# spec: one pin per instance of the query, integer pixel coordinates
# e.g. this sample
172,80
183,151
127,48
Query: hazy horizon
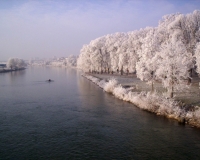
33,28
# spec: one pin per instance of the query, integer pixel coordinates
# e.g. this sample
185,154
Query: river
72,118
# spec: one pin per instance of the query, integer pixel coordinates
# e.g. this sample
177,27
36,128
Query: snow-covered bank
152,102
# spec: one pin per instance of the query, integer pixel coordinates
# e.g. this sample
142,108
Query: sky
48,28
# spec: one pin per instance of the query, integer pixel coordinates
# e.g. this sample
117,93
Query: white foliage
152,102
194,116
16,63
119,92
71,61
147,64
173,66
56,63
197,55
95,80
110,85
144,47
164,53
101,83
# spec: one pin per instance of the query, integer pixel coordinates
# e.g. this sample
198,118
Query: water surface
72,118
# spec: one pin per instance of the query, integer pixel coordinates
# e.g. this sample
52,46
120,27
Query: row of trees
169,53
70,61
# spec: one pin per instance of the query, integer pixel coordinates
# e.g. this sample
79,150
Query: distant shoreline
10,70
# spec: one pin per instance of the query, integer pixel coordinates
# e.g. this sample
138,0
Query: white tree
84,62
147,64
16,63
197,56
186,28
114,60
71,61
145,50
172,68
96,60
133,46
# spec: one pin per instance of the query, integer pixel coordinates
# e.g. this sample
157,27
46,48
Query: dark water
71,118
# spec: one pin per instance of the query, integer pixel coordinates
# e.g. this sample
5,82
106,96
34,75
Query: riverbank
184,107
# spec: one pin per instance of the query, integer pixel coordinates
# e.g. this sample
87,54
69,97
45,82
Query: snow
151,101
16,63
70,61
166,53
110,85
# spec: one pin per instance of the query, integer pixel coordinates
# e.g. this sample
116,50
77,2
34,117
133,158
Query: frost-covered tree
186,29
16,63
133,47
172,66
96,53
144,50
111,49
147,64
84,61
114,61
119,50
71,61
197,56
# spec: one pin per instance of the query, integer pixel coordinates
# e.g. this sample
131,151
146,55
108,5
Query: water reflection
16,76
72,118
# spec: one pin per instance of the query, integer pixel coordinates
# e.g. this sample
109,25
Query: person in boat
49,80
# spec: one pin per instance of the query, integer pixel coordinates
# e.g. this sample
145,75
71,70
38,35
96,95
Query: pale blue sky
47,28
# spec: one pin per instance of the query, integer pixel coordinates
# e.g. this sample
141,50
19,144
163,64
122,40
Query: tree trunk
190,75
152,87
172,83
122,70
172,92
189,81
